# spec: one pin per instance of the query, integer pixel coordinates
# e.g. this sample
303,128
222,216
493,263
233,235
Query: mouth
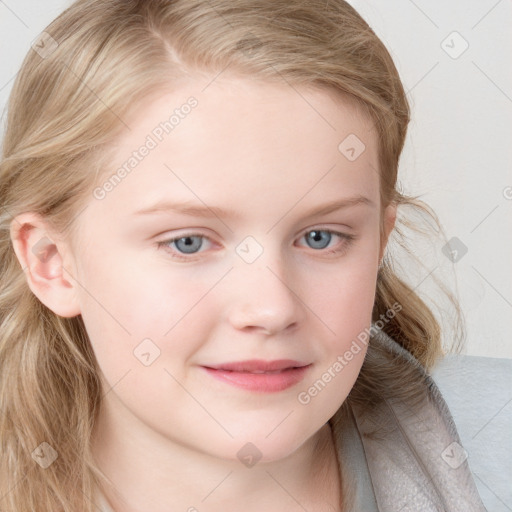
260,376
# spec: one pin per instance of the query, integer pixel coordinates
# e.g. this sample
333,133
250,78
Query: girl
198,311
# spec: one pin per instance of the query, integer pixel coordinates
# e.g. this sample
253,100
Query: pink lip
288,373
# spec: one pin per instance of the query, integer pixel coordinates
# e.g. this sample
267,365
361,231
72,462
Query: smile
270,381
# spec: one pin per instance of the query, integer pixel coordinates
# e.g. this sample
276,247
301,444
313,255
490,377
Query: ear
42,255
389,219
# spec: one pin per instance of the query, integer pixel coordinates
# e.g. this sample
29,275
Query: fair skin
168,433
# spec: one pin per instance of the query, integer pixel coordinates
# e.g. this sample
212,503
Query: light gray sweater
404,456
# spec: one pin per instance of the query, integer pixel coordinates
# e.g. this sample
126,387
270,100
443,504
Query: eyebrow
197,210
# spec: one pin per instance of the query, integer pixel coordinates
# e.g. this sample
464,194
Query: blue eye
316,237
191,243
321,242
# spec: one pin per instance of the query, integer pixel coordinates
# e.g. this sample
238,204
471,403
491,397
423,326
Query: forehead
230,140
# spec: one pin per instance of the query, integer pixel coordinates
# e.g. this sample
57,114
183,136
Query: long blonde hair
95,61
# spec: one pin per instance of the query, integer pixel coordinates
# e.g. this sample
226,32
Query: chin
265,448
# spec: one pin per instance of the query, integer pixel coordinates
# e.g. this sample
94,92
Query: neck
148,472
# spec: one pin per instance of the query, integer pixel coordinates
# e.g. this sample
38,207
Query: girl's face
234,171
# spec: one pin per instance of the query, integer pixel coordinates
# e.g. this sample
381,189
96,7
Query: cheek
345,305
346,295
129,308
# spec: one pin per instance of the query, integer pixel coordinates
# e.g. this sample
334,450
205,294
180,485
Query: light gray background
459,152
458,158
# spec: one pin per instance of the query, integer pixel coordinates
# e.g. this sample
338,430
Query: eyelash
180,256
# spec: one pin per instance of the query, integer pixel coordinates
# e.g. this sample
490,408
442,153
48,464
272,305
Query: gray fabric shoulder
409,456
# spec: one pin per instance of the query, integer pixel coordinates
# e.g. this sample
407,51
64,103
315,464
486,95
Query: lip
260,375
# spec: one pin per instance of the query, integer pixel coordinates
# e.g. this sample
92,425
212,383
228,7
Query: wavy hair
95,62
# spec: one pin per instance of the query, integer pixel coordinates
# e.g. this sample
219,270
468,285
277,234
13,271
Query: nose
265,298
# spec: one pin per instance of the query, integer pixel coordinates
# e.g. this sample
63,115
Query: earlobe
41,256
